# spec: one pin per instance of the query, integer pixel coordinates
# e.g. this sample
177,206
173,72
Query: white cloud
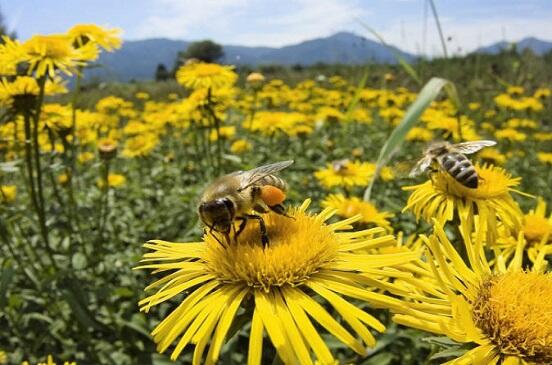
284,22
466,35
223,20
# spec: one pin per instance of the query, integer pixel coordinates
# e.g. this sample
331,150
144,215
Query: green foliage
206,51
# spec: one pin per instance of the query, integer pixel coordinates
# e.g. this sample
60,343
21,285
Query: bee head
217,214
436,147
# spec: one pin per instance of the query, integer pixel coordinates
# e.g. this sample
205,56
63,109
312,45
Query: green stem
104,199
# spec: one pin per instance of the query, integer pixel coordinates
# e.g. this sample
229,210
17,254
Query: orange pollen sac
272,196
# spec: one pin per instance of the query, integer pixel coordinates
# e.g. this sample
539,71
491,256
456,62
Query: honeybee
451,158
340,165
233,197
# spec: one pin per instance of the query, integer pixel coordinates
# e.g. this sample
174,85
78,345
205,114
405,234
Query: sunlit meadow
104,259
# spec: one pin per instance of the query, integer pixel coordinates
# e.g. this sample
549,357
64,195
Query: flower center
535,228
298,247
515,311
50,47
493,182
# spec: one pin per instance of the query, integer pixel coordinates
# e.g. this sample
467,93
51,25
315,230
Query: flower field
105,259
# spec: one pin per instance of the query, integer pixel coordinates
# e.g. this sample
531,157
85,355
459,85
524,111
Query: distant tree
161,73
206,51
4,29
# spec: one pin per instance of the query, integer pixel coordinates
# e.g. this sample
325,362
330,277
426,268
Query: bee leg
241,227
281,210
432,170
264,235
215,237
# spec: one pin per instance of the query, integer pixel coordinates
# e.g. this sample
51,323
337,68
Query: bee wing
472,147
251,177
421,166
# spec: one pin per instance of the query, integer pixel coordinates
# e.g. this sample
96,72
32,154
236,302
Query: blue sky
469,23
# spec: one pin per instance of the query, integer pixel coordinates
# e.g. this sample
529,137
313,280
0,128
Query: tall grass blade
356,97
428,94
404,64
439,29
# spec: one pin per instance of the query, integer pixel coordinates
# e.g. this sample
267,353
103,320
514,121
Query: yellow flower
240,146
113,181
443,197
49,53
510,134
12,55
543,136
8,193
345,173
492,154
57,117
84,157
542,93
225,132
350,207
63,179
108,39
419,134
3,357
22,91
140,145
536,227
502,313
515,90
142,95
474,106
306,262
50,361
545,157
255,79
206,76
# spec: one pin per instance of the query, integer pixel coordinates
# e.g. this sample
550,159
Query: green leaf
6,277
453,352
441,341
356,97
79,261
428,94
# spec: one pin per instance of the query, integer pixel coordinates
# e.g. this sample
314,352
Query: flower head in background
350,207
443,198
83,34
206,76
501,312
282,285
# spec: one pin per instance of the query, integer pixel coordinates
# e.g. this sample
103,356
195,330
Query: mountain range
137,60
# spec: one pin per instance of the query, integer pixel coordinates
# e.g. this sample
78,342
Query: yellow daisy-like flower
140,145
281,286
113,181
545,157
350,207
510,134
442,197
11,55
240,146
419,134
536,230
21,91
492,154
503,312
48,53
50,361
108,39
345,173
8,193
206,76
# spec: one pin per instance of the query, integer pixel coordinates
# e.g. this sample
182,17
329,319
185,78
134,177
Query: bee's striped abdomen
460,168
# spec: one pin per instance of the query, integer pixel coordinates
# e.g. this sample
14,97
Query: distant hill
538,46
138,59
